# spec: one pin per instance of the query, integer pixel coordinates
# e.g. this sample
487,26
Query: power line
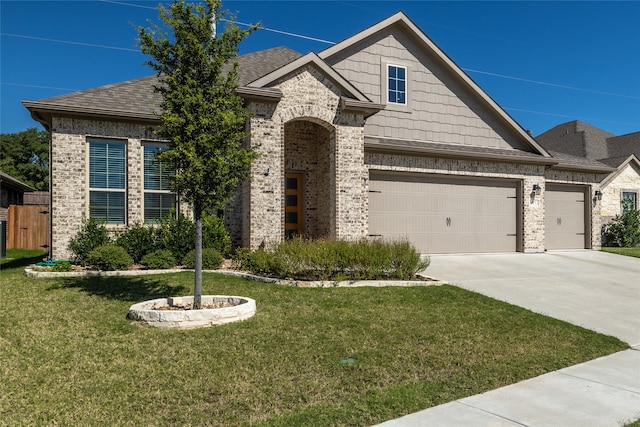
469,70
39,87
70,42
586,119
244,24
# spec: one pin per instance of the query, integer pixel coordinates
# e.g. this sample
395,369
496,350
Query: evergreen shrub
109,258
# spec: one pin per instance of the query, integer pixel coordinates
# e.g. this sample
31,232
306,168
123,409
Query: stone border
148,312
286,282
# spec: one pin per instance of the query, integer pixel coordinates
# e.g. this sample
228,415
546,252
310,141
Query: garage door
441,215
565,226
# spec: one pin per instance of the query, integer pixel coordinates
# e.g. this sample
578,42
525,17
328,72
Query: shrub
214,234
138,241
624,230
177,235
211,259
109,258
62,267
92,234
335,260
161,259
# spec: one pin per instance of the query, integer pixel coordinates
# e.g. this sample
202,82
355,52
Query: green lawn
68,355
634,252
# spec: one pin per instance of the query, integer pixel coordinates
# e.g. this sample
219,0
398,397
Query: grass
68,355
634,252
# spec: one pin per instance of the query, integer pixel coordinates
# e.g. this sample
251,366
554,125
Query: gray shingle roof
137,98
575,139
568,160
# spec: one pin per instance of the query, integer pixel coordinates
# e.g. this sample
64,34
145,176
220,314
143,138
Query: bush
138,241
335,260
92,234
214,234
177,235
62,267
624,230
109,258
211,259
159,260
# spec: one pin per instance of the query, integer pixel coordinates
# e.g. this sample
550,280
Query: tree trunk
197,289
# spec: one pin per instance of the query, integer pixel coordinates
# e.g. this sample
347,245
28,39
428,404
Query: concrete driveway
592,289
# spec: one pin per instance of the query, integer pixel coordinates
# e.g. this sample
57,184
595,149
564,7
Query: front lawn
68,355
634,252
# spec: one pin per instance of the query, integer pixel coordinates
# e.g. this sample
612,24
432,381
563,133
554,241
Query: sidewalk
602,392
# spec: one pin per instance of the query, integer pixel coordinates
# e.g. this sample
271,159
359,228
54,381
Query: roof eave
367,108
582,168
260,94
458,154
42,112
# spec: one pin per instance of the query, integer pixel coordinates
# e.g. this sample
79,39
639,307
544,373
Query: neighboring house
381,135
24,213
12,192
619,152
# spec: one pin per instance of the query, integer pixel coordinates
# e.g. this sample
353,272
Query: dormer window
397,84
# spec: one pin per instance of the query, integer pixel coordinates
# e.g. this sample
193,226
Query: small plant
92,234
138,241
161,259
211,259
109,258
624,230
62,267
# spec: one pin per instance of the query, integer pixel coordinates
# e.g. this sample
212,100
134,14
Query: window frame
624,192
163,184
388,89
108,189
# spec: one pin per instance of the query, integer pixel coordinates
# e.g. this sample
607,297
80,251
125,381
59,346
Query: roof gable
314,60
426,45
631,161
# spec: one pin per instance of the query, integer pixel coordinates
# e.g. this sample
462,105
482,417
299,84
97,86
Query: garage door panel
444,215
565,225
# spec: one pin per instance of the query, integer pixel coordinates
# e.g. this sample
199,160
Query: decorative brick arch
313,113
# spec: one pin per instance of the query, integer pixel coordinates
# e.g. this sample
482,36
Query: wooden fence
28,227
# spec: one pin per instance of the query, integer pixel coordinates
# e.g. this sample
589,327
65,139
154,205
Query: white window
158,200
396,84
107,180
632,196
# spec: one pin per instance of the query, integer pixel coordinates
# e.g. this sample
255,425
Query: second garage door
565,225
444,215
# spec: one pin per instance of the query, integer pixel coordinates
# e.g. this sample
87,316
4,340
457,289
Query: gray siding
439,109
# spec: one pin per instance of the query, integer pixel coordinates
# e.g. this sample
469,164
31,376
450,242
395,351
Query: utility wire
70,42
244,24
469,70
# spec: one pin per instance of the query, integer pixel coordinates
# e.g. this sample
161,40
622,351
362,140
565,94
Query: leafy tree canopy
25,156
202,117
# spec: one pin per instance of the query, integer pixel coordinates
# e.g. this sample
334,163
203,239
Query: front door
292,205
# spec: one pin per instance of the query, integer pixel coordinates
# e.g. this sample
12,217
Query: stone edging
29,272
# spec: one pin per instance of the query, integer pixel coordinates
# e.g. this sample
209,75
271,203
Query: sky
543,62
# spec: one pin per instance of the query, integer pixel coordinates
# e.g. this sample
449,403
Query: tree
202,117
25,156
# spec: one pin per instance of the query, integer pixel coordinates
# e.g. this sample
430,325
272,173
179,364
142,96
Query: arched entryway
309,179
